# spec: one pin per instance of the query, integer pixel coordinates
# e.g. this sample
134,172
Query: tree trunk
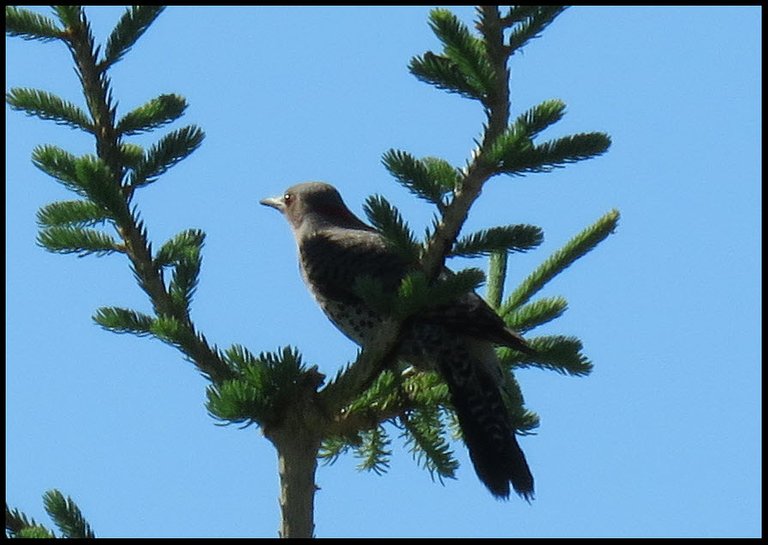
297,463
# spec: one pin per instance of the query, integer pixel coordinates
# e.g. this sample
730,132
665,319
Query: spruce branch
532,315
446,176
538,118
373,450
77,240
36,532
64,512
239,401
426,437
518,14
497,273
96,85
333,448
466,51
263,388
123,320
508,238
575,248
444,74
553,154
510,142
183,246
171,149
96,180
66,515
70,16
184,281
184,252
383,399
413,401
391,395
528,23
59,164
245,398
29,25
388,220
17,525
417,294
553,352
100,179
48,107
131,155
240,359
152,115
134,22
72,214
429,179
454,214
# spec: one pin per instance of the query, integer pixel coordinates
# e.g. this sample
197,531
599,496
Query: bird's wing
333,262
471,315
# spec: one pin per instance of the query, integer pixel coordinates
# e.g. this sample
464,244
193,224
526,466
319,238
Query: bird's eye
287,198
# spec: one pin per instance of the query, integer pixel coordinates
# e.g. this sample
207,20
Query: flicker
335,249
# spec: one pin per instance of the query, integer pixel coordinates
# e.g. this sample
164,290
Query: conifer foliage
306,417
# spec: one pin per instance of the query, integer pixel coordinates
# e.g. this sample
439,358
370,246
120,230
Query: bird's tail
487,426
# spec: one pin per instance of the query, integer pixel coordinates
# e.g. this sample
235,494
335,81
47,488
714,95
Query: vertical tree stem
297,464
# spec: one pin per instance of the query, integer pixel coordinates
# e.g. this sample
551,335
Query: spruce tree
307,416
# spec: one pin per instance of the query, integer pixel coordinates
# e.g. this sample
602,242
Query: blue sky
663,439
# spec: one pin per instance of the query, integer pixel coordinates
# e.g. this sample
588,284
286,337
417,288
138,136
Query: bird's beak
273,202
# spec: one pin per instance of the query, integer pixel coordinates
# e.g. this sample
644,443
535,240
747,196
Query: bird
458,339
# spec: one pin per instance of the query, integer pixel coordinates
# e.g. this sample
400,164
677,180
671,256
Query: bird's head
312,206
